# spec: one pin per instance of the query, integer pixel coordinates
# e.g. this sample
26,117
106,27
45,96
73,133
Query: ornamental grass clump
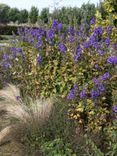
34,122
24,119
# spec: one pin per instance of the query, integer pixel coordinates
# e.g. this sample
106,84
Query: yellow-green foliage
111,7
111,19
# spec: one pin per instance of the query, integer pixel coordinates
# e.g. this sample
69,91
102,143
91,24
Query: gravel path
8,147
11,149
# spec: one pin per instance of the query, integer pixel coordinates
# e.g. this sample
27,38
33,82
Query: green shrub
8,30
56,148
36,81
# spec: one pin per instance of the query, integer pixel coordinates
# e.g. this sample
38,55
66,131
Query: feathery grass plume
17,109
31,116
9,94
4,133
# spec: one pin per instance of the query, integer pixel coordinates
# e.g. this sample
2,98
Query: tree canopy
33,15
4,13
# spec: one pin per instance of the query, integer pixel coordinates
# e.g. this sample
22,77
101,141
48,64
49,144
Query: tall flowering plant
77,66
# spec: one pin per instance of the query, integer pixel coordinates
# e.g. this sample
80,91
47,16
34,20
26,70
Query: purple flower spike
96,65
95,80
87,44
105,76
20,51
109,29
55,23
82,94
115,108
62,36
39,59
101,52
99,30
7,65
5,57
60,26
93,20
101,87
72,93
71,38
50,33
95,93
13,49
18,98
115,46
77,53
70,29
62,47
39,44
112,60
107,40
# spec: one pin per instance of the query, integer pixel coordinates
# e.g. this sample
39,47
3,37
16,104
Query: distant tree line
66,15
8,14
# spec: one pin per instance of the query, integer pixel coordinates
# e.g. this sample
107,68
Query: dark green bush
8,30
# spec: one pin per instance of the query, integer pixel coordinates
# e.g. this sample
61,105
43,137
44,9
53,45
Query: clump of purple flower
100,85
112,60
62,47
115,108
82,93
18,98
50,34
39,59
105,76
72,93
93,20
77,53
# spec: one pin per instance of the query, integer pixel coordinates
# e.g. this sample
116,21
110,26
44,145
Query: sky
26,4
